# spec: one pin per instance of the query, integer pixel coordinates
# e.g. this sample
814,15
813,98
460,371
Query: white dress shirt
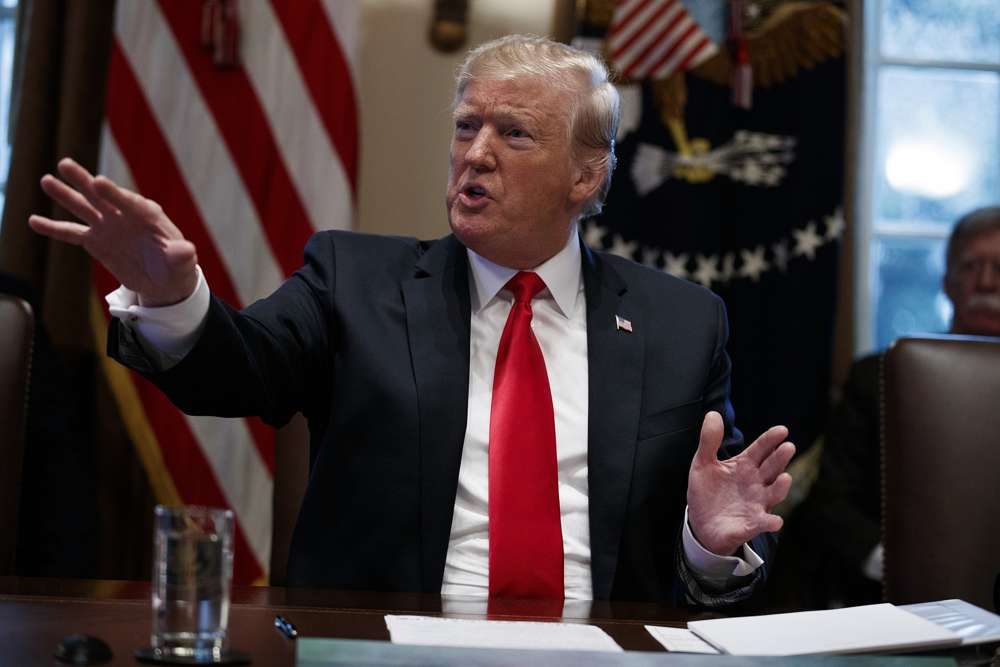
559,323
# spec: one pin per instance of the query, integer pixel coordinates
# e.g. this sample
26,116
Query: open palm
127,233
729,501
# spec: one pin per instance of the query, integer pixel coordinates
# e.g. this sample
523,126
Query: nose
988,276
480,155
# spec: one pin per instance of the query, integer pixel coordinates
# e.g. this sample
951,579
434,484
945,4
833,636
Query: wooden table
36,613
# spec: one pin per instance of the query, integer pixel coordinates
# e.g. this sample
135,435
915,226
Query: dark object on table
83,650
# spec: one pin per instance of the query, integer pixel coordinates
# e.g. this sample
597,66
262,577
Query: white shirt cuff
713,568
872,567
167,333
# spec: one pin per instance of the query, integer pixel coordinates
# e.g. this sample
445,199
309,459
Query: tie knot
524,286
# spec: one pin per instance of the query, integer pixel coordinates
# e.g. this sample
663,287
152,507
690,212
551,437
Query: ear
586,183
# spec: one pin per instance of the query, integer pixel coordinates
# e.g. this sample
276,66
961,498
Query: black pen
285,627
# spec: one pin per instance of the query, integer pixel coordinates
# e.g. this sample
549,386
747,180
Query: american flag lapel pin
621,324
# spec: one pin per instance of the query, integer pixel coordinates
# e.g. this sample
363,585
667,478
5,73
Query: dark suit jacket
370,340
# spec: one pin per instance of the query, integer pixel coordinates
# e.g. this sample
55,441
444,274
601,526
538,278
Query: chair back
291,476
16,336
941,469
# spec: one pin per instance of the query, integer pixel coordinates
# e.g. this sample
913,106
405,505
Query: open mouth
475,193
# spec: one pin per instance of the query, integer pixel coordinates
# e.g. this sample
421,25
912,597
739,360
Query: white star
593,235
806,241
728,267
621,247
707,272
780,250
834,225
650,257
754,263
675,265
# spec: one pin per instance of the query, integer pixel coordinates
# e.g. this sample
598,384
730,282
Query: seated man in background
843,509
501,412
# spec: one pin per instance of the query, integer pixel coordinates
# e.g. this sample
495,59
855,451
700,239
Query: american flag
248,156
652,39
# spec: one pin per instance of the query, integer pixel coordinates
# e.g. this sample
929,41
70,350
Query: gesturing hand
127,233
729,501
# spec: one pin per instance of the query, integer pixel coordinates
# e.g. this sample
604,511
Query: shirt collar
561,274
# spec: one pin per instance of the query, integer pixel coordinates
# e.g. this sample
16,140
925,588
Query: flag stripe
655,38
680,51
318,54
248,159
666,39
624,18
643,31
665,45
198,485
156,172
243,477
205,164
302,139
345,17
180,451
156,175
239,116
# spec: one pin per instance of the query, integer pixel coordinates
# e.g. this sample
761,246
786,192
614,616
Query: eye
518,133
464,129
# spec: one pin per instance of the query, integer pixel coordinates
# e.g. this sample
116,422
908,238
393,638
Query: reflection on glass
907,297
937,144
964,30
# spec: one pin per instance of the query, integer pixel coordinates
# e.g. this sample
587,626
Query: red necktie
526,554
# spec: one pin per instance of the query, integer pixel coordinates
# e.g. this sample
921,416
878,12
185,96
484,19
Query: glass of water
192,570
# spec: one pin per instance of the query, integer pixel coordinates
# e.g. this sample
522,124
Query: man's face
513,186
973,285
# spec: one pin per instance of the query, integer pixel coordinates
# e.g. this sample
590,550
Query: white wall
405,96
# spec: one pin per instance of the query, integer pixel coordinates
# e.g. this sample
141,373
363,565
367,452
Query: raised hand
729,501
127,233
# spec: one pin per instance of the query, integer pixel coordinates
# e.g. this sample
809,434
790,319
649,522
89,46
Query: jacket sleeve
270,360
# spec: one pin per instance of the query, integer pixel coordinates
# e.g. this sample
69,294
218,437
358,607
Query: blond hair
594,116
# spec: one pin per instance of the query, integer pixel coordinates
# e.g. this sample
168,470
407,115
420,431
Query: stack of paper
428,631
871,628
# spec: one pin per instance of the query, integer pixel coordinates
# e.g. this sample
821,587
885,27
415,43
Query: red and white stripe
652,39
248,162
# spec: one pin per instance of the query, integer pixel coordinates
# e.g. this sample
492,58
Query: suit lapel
615,363
437,314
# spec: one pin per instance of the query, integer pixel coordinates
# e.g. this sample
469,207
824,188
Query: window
8,19
930,152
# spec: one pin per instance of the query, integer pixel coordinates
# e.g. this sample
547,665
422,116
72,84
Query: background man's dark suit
370,340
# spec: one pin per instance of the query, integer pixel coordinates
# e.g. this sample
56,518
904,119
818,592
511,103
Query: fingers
68,232
779,490
770,523
765,444
712,430
130,203
776,463
70,199
83,181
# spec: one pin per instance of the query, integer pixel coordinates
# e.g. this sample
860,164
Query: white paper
877,627
973,624
429,631
680,640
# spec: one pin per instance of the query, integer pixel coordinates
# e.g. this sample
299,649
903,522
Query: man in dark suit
841,519
501,411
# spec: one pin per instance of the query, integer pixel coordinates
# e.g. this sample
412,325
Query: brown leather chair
291,475
941,469
16,336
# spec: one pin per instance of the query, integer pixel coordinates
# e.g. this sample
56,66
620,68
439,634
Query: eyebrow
504,112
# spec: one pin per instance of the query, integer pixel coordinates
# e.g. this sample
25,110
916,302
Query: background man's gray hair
595,113
969,226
